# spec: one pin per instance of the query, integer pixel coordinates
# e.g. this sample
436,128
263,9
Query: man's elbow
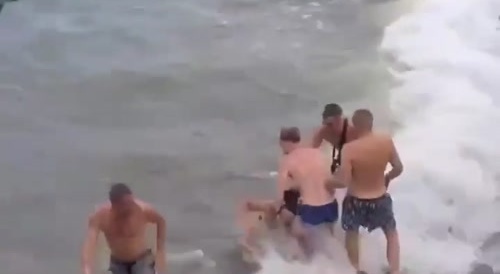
316,140
398,169
161,223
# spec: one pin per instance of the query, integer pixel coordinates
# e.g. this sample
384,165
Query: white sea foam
447,102
448,105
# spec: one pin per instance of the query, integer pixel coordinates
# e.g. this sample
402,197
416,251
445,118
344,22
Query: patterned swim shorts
368,213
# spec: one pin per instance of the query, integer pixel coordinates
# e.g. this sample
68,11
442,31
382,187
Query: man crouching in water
258,220
367,202
123,221
304,171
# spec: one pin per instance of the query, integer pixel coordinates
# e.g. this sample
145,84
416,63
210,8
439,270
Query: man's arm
259,206
396,164
343,176
155,217
89,246
317,138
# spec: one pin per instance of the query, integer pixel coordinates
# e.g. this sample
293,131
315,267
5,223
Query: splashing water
445,55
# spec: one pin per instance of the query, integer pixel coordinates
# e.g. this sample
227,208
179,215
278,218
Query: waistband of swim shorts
143,255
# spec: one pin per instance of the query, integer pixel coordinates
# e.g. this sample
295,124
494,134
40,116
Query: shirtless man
305,169
367,202
123,221
335,130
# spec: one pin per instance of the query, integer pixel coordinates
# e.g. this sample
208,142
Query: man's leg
352,247
391,234
333,217
350,223
393,251
300,233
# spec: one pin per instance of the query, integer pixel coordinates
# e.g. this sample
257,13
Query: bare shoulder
318,153
385,138
145,206
99,214
286,160
350,146
320,131
149,211
101,209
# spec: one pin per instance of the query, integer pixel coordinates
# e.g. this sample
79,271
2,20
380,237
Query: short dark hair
118,191
363,114
332,110
290,134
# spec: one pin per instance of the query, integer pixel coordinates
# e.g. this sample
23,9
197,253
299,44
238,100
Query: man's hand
395,161
89,245
333,182
161,262
155,217
271,210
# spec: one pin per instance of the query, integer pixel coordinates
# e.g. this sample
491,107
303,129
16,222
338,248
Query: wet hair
332,110
362,117
290,134
118,191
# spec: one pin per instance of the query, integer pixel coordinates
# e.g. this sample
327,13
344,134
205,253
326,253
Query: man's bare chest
127,228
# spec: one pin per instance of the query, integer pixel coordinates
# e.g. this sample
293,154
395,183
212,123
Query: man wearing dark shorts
123,221
367,203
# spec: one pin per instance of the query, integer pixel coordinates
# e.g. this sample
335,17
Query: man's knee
351,234
352,246
390,230
298,230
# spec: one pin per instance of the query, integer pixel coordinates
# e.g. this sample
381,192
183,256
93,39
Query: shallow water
181,99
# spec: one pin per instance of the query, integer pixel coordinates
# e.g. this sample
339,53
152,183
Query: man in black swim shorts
367,203
123,221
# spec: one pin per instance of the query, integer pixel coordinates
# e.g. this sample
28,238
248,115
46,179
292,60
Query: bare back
369,157
126,238
309,170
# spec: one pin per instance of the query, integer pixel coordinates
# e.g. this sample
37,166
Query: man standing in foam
367,202
307,170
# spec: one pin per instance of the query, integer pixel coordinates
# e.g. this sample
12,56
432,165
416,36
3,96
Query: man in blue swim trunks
367,203
306,170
